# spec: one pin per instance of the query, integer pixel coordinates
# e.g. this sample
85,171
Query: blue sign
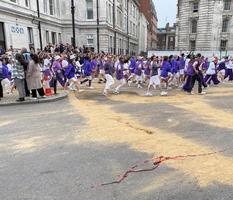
17,29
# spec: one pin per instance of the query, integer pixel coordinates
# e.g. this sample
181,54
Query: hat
140,57
72,57
57,57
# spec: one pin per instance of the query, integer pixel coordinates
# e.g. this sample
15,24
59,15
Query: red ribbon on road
156,162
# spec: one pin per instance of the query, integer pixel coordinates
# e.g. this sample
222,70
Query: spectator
34,77
18,75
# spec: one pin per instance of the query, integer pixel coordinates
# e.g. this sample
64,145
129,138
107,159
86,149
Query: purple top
166,67
138,68
175,67
70,71
132,65
4,72
120,71
190,70
56,66
93,64
147,69
182,63
205,65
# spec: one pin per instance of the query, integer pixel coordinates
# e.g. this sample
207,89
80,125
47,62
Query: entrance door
2,36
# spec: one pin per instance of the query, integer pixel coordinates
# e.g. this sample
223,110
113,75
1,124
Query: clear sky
166,11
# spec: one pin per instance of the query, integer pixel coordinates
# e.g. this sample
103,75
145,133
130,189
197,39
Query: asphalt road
58,151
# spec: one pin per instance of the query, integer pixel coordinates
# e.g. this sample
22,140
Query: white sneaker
129,83
33,98
105,93
139,87
202,93
116,92
163,93
91,87
148,94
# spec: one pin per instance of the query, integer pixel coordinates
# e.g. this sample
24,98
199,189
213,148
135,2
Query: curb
47,100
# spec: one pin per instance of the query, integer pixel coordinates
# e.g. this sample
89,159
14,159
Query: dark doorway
2,36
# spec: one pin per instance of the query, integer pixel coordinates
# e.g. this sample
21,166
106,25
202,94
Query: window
30,36
225,25
192,45
227,4
223,45
58,8
27,3
51,7
47,36
110,44
54,38
194,26
90,40
45,6
195,6
59,38
89,9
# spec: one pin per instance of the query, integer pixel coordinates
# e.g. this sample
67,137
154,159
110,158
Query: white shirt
211,69
186,64
64,63
229,65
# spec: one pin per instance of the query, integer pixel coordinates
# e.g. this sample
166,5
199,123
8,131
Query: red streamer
156,162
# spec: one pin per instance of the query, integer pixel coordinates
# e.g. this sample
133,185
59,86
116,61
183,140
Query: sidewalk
10,99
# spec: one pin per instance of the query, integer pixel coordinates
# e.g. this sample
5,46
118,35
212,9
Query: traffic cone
48,90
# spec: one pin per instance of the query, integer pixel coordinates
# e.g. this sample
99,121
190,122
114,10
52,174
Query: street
63,150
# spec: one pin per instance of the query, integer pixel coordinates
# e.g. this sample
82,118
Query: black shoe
20,100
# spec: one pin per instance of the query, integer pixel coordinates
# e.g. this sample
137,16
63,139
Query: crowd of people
36,74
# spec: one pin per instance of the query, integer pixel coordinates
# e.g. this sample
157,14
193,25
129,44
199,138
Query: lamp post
128,51
73,22
114,25
98,23
39,24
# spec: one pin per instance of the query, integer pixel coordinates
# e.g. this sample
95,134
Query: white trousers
109,82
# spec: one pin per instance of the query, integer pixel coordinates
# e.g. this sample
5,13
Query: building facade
166,38
204,25
120,24
148,9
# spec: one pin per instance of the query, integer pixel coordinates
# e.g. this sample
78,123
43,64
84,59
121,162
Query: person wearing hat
57,73
70,74
211,73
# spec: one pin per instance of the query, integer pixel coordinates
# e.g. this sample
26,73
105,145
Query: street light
98,22
73,22
39,25
114,25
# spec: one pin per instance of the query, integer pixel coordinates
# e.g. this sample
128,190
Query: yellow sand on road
107,127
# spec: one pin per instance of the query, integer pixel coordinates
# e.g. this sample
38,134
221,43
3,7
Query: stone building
204,25
166,38
148,9
120,24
